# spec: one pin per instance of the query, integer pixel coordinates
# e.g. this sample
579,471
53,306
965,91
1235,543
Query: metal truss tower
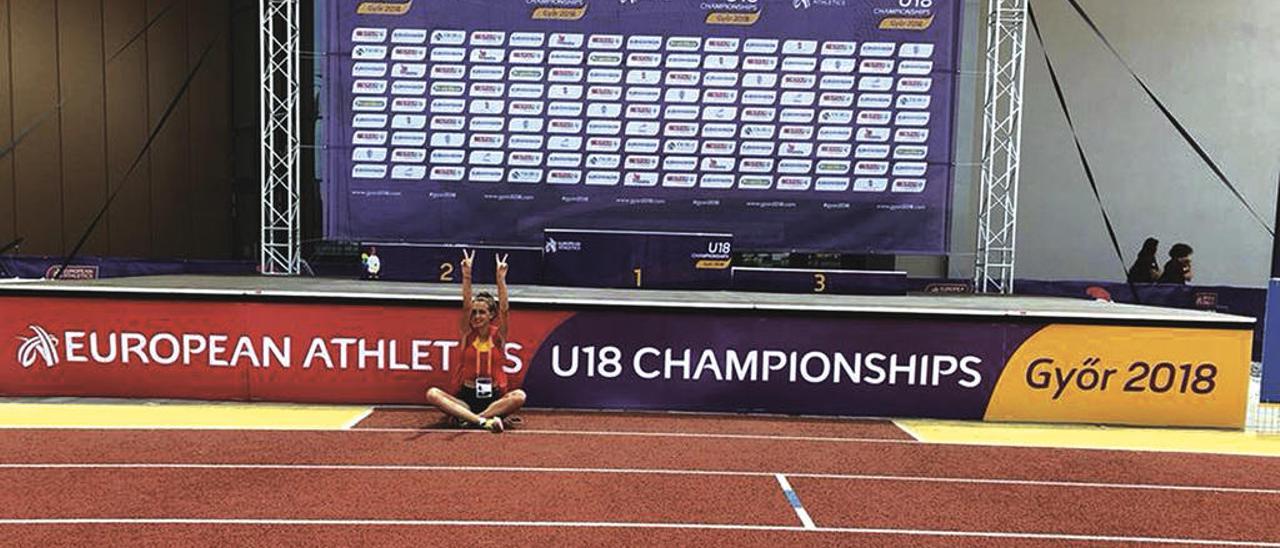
1001,146
278,69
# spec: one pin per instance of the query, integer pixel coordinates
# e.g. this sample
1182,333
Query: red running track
599,478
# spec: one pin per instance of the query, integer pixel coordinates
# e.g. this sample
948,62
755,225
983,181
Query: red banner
220,350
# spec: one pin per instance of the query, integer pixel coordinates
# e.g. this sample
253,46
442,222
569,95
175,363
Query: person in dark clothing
1178,269
1145,268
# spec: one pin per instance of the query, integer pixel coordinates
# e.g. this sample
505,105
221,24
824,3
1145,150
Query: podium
636,259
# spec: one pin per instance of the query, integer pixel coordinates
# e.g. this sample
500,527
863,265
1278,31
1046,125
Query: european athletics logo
41,346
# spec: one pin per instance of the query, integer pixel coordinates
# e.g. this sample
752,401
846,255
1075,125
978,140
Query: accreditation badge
484,388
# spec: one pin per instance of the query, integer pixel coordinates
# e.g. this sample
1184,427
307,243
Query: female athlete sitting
483,396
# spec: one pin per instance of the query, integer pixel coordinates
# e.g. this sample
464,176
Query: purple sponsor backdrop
598,339
402,166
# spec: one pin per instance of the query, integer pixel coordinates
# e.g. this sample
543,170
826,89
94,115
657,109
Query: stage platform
326,289
349,341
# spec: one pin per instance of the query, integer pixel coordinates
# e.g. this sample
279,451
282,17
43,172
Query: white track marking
685,435
641,471
629,525
794,500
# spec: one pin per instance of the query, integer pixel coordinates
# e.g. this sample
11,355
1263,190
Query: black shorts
468,395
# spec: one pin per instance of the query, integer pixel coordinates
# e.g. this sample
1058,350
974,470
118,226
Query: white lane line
642,471
632,525
455,431
685,435
795,502
362,416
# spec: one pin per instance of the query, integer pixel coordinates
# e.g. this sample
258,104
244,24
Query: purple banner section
92,268
439,263
626,259
836,282
792,124
839,366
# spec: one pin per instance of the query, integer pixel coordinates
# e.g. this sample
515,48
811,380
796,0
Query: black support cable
1182,130
173,104
1084,160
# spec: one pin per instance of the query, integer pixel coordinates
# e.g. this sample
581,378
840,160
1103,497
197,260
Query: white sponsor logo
408,53
911,118
416,122
409,36
604,41
369,121
915,68
488,55
40,346
910,152
368,154
794,183
566,40
409,138
369,70
644,43
875,100
837,83
832,184
878,49
529,176
870,184
684,43
448,37
374,87
873,134
369,53
872,152
915,85
488,38
413,173
800,47
911,135
722,45
916,51
908,185
408,155
679,180
408,87
369,35
603,178
369,138
368,171
527,39
909,169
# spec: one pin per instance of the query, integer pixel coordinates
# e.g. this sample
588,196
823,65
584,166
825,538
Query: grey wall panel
170,186
209,169
1212,63
8,215
37,159
126,100
84,163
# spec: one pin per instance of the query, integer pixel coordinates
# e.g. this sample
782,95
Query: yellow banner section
906,23
729,18
384,8
712,264
560,14
1127,375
